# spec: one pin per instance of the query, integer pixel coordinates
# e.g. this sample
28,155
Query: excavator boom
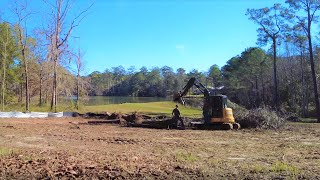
192,82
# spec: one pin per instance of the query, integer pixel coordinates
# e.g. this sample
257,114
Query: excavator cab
217,115
218,104
220,113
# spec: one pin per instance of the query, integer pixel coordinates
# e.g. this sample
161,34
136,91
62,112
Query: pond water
103,100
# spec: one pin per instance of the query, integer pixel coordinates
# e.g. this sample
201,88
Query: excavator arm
192,82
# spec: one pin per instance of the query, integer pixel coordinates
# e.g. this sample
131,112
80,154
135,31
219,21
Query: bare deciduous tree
5,42
79,65
60,32
22,14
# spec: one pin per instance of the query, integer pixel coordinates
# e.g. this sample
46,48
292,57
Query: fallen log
113,121
154,123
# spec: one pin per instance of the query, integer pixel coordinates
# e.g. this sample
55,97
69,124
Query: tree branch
265,30
74,24
312,14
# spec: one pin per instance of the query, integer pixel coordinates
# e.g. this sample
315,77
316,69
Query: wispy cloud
180,48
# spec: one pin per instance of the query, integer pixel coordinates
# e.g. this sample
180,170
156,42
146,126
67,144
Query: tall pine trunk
303,88
314,79
313,71
275,79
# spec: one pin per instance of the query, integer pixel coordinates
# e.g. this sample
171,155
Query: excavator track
215,126
236,126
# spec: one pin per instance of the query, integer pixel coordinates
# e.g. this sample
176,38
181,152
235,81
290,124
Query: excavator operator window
224,101
217,106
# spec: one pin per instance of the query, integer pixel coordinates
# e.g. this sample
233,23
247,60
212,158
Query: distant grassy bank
151,108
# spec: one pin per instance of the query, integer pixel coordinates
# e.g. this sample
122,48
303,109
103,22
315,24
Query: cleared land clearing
39,148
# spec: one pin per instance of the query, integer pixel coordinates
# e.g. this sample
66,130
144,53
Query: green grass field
152,108
309,120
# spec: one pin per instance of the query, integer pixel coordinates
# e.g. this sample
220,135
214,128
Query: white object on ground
68,114
39,114
33,114
58,114
21,115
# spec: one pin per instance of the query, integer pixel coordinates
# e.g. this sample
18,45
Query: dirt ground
65,148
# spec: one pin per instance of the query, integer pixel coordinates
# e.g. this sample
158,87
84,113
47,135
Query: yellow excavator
216,114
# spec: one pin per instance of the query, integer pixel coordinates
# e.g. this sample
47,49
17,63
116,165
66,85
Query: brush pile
263,118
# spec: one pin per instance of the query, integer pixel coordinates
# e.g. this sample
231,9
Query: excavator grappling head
178,98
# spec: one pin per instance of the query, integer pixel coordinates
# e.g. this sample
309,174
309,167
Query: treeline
247,79
161,82
35,62
291,24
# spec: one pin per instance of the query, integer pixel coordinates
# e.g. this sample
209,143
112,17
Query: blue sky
192,34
